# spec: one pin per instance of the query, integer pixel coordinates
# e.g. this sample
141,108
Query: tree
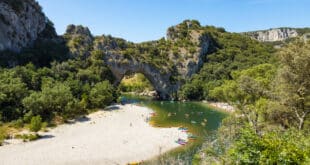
12,91
192,91
102,95
293,81
275,147
248,91
51,100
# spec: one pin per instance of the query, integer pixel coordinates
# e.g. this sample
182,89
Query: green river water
200,119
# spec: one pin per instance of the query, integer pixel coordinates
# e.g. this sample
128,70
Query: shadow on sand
43,137
112,108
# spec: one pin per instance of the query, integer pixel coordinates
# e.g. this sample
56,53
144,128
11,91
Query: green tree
102,94
248,91
192,91
293,81
275,147
12,91
51,100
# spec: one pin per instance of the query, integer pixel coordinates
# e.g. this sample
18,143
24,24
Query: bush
102,95
50,101
192,91
290,147
3,135
18,123
36,123
27,137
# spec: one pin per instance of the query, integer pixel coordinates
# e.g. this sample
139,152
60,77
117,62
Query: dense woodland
269,88
271,123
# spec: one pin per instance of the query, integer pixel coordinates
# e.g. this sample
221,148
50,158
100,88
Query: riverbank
117,136
221,106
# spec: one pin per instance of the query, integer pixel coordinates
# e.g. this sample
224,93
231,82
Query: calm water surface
200,119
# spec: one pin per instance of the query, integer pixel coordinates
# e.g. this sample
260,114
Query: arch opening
137,84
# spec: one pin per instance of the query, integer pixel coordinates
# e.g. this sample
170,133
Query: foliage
271,103
102,94
51,100
293,82
3,135
35,124
12,91
135,83
229,52
27,137
42,53
290,147
192,91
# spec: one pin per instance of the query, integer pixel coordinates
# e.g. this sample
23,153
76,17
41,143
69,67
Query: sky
144,20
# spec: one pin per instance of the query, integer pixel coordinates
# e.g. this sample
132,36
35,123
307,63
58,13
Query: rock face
120,68
272,35
79,40
185,62
21,22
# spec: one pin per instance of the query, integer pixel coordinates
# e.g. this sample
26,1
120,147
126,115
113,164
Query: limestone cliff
21,22
79,40
272,35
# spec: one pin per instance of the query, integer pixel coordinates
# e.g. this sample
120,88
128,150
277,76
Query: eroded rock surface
21,22
272,35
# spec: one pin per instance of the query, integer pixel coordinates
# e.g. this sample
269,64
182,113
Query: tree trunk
301,124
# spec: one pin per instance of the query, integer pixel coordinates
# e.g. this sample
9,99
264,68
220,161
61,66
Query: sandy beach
117,136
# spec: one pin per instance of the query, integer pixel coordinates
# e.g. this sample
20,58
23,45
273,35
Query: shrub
50,101
27,137
18,123
102,95
3,135
36,123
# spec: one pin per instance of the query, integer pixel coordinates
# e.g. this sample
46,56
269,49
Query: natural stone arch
160,81
166,77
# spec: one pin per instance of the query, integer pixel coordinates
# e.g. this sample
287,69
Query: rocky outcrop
306,36
121,67
21,22
188,62
272,35
79,40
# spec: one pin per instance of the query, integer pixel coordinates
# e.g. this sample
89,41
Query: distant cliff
21,22
277,34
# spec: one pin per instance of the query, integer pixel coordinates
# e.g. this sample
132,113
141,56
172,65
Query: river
200,120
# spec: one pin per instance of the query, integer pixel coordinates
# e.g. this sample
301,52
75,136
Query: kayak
183,128
193,122
192,137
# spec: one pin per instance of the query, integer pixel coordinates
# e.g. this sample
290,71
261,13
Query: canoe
183,128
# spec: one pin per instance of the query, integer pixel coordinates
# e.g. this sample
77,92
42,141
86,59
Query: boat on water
192,136
181,141
183,129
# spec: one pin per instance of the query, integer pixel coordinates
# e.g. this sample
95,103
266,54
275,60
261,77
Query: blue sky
143,20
